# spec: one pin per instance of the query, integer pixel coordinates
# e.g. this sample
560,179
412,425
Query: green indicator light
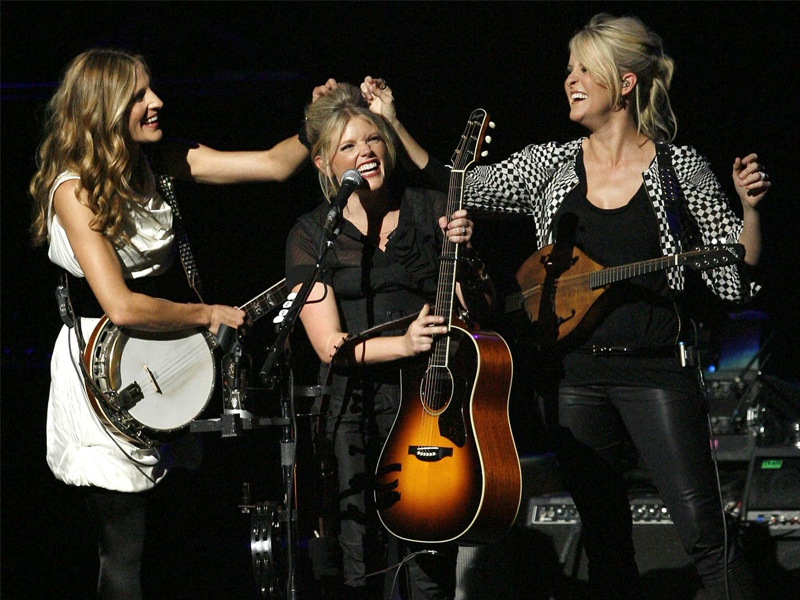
774,463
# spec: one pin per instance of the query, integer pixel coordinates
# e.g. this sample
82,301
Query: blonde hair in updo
86,132
608,47
326,120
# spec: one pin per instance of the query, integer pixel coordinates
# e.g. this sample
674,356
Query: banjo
146,385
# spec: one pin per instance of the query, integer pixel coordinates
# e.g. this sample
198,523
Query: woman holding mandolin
622,195
382,267
97,206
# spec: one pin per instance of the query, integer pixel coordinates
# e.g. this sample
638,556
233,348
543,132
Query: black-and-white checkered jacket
536,180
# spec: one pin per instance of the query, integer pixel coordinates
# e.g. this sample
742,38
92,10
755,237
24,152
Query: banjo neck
265,301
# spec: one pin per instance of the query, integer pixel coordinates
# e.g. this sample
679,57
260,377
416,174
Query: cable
73,323
722,506
714,460
403,562
397,566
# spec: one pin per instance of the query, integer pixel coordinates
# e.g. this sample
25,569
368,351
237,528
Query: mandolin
558,292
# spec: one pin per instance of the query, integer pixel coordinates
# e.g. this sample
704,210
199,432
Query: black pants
119,519
669,430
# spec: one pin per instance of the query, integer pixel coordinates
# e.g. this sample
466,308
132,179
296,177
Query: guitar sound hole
436,389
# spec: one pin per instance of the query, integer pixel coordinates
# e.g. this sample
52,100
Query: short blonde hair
326,120
608,47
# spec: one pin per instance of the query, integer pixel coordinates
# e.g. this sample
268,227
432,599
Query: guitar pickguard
452,424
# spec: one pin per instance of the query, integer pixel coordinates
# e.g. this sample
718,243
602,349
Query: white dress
80,451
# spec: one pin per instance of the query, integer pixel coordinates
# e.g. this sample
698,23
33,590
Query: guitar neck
467,151
446,287
265,301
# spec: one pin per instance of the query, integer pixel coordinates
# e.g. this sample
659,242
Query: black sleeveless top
640,314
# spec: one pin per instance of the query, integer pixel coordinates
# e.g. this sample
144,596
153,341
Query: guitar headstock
469,148
715,255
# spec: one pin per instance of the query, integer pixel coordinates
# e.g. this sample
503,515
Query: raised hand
750,179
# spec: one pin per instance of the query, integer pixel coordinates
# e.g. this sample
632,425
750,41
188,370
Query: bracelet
303,137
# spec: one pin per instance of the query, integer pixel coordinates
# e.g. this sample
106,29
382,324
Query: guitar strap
673,199
673,196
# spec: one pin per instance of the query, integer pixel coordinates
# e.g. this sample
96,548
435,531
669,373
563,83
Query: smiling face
589,100
145,105
362,148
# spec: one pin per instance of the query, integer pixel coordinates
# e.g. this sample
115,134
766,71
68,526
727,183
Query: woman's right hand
419,337
220,314
321,90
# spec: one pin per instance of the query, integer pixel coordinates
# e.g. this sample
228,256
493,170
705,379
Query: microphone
351,179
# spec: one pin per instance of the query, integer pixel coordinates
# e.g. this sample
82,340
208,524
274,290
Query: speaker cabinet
542,557
667,571
771,513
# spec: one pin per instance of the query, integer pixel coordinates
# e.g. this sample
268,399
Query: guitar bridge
430,453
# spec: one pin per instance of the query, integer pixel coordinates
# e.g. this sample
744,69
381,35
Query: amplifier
772,491
560,569
560,509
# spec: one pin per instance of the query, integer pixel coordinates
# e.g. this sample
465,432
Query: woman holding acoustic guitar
625,195
382,267
107,225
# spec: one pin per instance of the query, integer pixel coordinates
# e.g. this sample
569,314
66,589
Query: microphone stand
277,355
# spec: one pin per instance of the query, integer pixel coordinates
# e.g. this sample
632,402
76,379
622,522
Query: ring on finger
763,175
463,231
382,84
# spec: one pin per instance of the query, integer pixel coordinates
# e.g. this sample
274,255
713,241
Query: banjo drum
147,385
153,384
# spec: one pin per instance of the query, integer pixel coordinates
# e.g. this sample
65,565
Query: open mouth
368,168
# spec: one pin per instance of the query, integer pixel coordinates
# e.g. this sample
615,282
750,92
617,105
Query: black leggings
670,432
119,518
359,427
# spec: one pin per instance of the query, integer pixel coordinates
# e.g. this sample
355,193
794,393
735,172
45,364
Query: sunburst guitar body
449,470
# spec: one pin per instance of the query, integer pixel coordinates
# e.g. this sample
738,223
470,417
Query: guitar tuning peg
491,124
488,139
485,153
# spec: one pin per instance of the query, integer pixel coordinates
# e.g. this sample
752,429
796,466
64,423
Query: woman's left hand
379,98
459,229
750,179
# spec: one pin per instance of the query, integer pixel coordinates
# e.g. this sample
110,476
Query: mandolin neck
610,275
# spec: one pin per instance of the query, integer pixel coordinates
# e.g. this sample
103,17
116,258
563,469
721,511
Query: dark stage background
236,75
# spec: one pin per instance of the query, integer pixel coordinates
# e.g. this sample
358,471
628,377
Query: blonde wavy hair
326,120
608,47
86,132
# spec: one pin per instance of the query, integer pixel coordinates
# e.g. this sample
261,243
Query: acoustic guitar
449,470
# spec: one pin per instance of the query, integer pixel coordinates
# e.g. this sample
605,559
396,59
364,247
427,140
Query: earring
626,83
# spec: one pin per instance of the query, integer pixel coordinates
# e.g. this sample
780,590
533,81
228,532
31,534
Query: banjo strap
166,187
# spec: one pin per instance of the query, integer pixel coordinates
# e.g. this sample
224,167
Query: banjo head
175,370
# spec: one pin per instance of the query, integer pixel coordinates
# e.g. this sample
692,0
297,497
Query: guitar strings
435,379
